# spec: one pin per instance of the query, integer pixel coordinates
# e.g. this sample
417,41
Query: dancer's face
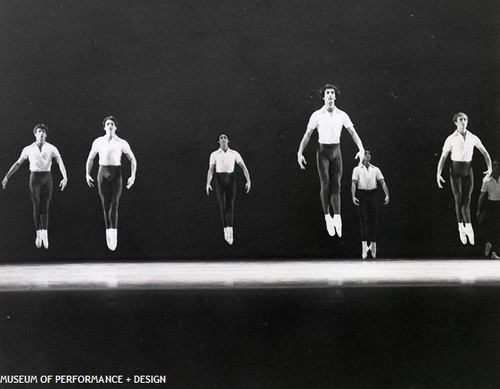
368,156
40,135
329,97
223,140
461,122
110,127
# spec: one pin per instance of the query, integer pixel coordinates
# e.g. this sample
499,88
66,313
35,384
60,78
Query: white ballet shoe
38,239
461,232
364,250
329,225
113,239
337,223
44,236
469,232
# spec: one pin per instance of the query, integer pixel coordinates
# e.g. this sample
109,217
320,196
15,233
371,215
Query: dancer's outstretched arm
210,174
248,185
64,180
303,143
354,185
12,170
357,140
89,164
133,168
487,159
386,191
440,166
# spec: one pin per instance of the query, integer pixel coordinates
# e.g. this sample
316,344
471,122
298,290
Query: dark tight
41,193
491,225
226,194
368,211
329,160
109,180
462,183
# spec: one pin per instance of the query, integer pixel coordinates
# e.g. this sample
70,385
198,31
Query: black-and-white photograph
250,194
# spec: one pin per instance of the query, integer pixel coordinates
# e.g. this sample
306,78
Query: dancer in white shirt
109,179
461,146
223,161
40,155
363,189
329,121
488,209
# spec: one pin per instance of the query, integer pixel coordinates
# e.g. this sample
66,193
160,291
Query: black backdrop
177,73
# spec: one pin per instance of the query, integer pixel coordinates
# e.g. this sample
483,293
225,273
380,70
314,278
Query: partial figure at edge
488,212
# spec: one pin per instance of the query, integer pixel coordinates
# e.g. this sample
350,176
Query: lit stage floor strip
241,275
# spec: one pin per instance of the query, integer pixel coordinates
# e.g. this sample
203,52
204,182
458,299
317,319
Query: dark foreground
395,337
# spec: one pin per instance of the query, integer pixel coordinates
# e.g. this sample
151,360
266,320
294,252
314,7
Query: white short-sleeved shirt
461,149
492,187
224,160
367,177
329,125
40,160
110,151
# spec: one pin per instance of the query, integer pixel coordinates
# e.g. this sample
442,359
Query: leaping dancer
40,155
109,178
329,121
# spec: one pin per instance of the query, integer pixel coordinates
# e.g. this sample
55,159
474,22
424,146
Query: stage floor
249,274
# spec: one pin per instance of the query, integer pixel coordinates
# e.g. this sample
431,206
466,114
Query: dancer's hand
63,183
361,155
208,188
248,185
386,201
130,182
439,180
4,183
487,175
90,181
355,200
301,160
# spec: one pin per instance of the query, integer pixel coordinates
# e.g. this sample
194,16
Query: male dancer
489,203
109,179
364,179
40,155
223,161
329,121
461,146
